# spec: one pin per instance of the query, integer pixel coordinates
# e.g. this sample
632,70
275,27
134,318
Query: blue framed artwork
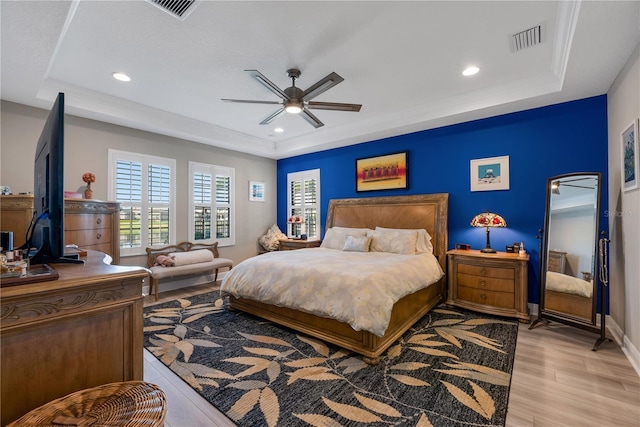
629,141
489,174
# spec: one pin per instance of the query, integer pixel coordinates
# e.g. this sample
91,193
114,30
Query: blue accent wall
540,143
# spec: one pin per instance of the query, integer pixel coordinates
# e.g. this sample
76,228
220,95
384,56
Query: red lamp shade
488,219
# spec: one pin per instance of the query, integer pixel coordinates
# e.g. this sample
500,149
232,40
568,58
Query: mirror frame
598,291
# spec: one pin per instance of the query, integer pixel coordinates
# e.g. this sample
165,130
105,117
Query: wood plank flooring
557,381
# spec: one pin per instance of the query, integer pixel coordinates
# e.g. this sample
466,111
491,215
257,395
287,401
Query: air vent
528,38
178,8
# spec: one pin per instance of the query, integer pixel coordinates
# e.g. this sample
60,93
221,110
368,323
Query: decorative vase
88,192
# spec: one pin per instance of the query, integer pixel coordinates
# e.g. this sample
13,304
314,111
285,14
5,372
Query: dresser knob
483,271
99,221
99,236
483,283
483,296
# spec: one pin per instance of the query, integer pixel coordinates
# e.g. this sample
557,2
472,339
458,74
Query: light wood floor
557,382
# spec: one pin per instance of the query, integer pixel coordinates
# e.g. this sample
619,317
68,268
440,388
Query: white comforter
358,288
572,285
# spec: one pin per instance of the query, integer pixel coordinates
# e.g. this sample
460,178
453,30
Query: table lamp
488,219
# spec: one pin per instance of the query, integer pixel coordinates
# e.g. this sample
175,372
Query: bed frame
428,211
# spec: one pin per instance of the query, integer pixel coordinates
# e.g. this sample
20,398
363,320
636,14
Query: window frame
214,171
145,160
302,176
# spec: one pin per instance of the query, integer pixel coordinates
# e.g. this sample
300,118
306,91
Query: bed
428,212
569,295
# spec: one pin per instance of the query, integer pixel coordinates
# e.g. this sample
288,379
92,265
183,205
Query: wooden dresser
292,244
557,261
65,335
489,283
90,224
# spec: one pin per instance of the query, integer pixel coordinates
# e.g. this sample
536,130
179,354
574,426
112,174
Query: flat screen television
46,233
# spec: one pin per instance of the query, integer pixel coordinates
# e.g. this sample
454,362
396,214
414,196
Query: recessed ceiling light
279,130
470,71
121,76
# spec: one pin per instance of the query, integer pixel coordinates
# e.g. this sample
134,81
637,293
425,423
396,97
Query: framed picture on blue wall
489,174
385,172
629,141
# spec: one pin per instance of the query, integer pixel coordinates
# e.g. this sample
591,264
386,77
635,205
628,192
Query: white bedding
358,288
568,284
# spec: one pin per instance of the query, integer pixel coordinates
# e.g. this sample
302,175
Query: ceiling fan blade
267,83
250,101
272,117
335,106
313,120
321,86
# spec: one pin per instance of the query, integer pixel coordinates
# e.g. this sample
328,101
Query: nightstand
489,283
292,244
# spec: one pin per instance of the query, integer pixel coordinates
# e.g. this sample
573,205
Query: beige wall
87,143
624,219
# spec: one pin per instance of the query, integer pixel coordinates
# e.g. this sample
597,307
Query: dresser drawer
487,283
484,271
485,297
87,237
87,221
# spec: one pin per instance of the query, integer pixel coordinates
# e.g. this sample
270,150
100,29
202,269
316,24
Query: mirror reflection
571,236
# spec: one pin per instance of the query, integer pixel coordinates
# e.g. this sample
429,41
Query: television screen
47,226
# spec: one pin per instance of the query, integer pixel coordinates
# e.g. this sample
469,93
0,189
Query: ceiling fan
298,101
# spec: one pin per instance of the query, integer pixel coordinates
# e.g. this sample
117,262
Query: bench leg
154,284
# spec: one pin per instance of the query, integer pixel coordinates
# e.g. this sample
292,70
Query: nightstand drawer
484,297
487,283
483,271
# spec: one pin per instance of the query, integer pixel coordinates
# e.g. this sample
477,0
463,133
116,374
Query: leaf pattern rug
453,368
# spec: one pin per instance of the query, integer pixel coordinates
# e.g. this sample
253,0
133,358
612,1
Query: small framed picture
490,174
256,191
629,143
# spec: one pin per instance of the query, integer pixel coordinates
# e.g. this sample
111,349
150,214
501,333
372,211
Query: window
304,200
211,204
145,188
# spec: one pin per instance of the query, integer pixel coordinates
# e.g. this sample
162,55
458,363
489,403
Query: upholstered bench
184,259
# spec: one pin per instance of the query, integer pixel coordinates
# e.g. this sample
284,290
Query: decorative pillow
335,237
165,261
191,257
357,244
423,244
393,241
270,240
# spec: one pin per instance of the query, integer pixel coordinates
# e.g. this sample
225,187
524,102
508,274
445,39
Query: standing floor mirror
572,259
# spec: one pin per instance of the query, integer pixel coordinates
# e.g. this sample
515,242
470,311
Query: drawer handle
483,271
483,296
483,283
99,221
99,236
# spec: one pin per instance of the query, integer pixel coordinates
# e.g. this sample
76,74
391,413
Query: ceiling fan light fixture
293,107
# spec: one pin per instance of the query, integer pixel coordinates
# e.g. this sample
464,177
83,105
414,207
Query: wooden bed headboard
428,211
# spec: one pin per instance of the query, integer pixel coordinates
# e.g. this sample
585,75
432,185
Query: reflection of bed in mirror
569,295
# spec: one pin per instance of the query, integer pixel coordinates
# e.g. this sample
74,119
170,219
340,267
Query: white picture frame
256,191
490,174
629,157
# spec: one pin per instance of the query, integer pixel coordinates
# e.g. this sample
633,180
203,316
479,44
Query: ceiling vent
528,38
178,8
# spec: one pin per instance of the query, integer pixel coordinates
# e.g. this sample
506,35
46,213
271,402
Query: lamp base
488,251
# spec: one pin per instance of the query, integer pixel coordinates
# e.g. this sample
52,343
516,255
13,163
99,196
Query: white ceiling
401,60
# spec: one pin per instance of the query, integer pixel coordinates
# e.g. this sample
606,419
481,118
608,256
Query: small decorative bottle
522,252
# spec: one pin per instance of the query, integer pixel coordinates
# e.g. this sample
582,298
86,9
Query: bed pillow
270,241
335,237
423,244
394,241
357,244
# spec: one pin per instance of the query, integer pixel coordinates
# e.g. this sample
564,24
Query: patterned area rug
453,368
